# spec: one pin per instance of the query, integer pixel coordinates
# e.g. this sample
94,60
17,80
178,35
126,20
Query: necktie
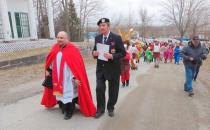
105,38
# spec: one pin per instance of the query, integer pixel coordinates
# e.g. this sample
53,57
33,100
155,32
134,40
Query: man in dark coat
192,55
108,69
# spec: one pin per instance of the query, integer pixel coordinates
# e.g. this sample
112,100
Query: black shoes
111,113
156,66
127,82
68,116
99,114
191,94
123,84
69,109
61,106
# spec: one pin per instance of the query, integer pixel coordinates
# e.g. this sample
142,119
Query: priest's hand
108,56
95,53
76,82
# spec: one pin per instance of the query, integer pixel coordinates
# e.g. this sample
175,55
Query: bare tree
145,20
182,12
67,19
87,9
199,20
65,7
56,7
43,30
116,22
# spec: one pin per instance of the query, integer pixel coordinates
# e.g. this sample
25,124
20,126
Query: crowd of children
155,51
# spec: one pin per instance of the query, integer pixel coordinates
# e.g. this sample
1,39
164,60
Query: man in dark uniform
107,70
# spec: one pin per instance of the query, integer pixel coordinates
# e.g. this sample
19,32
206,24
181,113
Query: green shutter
10,21
18,25
22,24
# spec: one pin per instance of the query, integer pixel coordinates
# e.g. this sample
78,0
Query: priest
70,84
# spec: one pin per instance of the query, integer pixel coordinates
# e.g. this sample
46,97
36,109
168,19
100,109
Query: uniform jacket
111,68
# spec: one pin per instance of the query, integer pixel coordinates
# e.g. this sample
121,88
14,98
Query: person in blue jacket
177,54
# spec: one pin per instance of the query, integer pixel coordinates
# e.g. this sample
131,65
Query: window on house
22,24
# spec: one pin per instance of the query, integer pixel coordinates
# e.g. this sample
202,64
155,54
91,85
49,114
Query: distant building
18,19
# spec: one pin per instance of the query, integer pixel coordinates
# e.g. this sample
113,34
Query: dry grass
20,75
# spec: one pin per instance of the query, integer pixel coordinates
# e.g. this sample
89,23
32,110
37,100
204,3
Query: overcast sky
121,7
113,9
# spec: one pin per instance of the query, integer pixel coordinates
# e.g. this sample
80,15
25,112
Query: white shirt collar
107,35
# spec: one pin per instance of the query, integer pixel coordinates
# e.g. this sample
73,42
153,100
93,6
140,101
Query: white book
102,48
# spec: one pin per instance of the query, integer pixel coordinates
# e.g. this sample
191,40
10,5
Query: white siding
1,28
16,6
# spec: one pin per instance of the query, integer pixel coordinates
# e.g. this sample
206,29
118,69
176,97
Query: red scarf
71,55
58,83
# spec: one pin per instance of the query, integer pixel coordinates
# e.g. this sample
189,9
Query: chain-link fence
24,45
22,52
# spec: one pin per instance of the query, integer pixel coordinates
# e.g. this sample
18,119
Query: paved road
159,103
155,100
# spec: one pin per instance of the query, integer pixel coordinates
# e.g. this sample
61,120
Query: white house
18,19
